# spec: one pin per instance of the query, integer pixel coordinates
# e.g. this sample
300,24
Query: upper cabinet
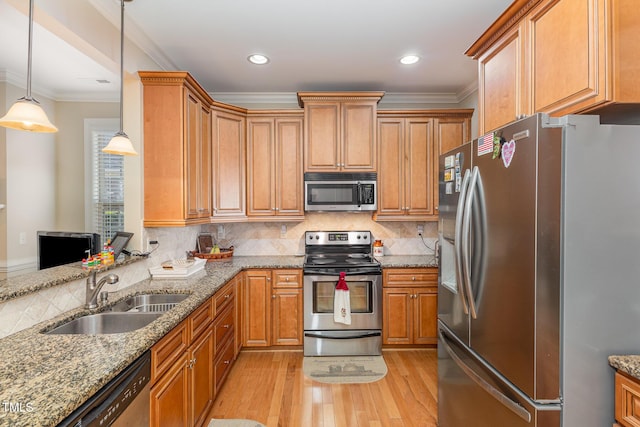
228,146
559,57
177,150
409,143
274,165
339,131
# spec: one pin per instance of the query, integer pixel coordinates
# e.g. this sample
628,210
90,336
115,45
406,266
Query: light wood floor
270,387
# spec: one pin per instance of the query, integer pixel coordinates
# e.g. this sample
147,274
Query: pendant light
26,113
120,143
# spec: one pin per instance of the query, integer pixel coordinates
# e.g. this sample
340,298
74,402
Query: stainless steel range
327,254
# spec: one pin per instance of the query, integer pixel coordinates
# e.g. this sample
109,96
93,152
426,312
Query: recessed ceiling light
409,59
258,59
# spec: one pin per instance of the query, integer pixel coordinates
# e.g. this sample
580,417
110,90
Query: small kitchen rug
345,369
234,423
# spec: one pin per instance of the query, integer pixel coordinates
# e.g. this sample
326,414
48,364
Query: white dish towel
341,302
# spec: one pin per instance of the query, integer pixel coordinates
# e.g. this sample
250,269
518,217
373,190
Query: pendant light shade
26,113
120,143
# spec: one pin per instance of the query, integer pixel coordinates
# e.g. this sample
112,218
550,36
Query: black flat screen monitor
62,247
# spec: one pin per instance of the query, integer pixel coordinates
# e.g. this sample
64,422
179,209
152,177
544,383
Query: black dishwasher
124,401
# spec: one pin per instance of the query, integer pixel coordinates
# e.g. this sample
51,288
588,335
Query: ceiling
312,45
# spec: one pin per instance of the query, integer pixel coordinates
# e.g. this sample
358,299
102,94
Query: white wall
30,188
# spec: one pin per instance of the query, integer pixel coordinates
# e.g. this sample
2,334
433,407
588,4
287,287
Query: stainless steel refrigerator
539,237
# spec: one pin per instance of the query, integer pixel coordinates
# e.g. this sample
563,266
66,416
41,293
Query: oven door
365,296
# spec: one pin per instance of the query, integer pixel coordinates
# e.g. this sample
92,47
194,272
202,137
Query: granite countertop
43,378
629,364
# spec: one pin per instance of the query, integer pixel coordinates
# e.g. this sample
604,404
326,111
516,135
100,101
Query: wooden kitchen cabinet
187,363
177,150
272,308
339,131
627,400
274,166
409,143
409,307
559,57
229,159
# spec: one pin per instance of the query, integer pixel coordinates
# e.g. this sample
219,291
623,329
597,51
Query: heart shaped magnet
508,150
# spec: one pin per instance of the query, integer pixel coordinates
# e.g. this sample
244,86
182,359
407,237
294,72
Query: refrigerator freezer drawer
469,394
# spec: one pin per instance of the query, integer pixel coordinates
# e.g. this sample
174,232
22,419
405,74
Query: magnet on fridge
448,187
508,150
448,162
448,175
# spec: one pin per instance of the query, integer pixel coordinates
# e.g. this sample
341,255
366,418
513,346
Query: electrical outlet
420,228
23,238
283,231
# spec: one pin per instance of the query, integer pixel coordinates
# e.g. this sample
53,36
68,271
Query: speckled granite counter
629,364
408,261
43,378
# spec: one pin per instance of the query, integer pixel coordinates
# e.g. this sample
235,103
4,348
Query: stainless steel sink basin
106,323
149,303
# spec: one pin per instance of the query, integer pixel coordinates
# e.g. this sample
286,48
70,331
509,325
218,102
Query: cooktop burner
330,252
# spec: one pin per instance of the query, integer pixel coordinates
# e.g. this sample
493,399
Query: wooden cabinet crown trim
435,113
510,17
338,96
169,78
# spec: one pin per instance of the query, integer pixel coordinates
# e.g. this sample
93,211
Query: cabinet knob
226,362
273,297
227,296
226,326
413,278
286,279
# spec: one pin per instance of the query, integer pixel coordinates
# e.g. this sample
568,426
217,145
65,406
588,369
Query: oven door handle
343,337
350,272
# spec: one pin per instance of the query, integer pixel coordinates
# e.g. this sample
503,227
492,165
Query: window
104,195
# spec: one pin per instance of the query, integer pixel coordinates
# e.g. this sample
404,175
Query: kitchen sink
105,323
149,303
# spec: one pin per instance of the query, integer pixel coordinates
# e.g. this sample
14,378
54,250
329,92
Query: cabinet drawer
223,296
223,364
223,328
410,277
627,408
287,279
200,320
166,352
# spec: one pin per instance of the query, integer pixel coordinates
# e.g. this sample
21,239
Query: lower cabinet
627,398
409,306
190,363
272,309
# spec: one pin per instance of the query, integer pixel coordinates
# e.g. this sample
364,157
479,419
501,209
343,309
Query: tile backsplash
399,238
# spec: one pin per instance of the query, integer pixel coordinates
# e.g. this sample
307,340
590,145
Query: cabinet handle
226,326
268,279
227,296
413,278
273,297
226,362
286,279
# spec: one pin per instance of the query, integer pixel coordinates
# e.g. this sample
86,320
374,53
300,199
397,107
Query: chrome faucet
93,288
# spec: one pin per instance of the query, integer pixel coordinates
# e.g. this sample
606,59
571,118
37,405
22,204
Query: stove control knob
317,237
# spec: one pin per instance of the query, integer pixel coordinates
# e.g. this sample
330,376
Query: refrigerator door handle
494,392
458,258
466,232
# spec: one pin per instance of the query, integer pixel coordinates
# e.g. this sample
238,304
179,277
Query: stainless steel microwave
337,191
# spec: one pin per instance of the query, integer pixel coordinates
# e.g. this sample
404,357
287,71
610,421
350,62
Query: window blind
107,186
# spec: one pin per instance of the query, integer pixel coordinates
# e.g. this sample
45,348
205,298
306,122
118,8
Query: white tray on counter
177,269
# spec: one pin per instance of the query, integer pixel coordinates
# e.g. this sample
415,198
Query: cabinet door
261,167
501,86
397,327
287,316
239,312
425,300
568,53
201,378
392,166
192,148
358,136
257,308
627,401
228,165
170,396
204,192
419,173
321,136
289,192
